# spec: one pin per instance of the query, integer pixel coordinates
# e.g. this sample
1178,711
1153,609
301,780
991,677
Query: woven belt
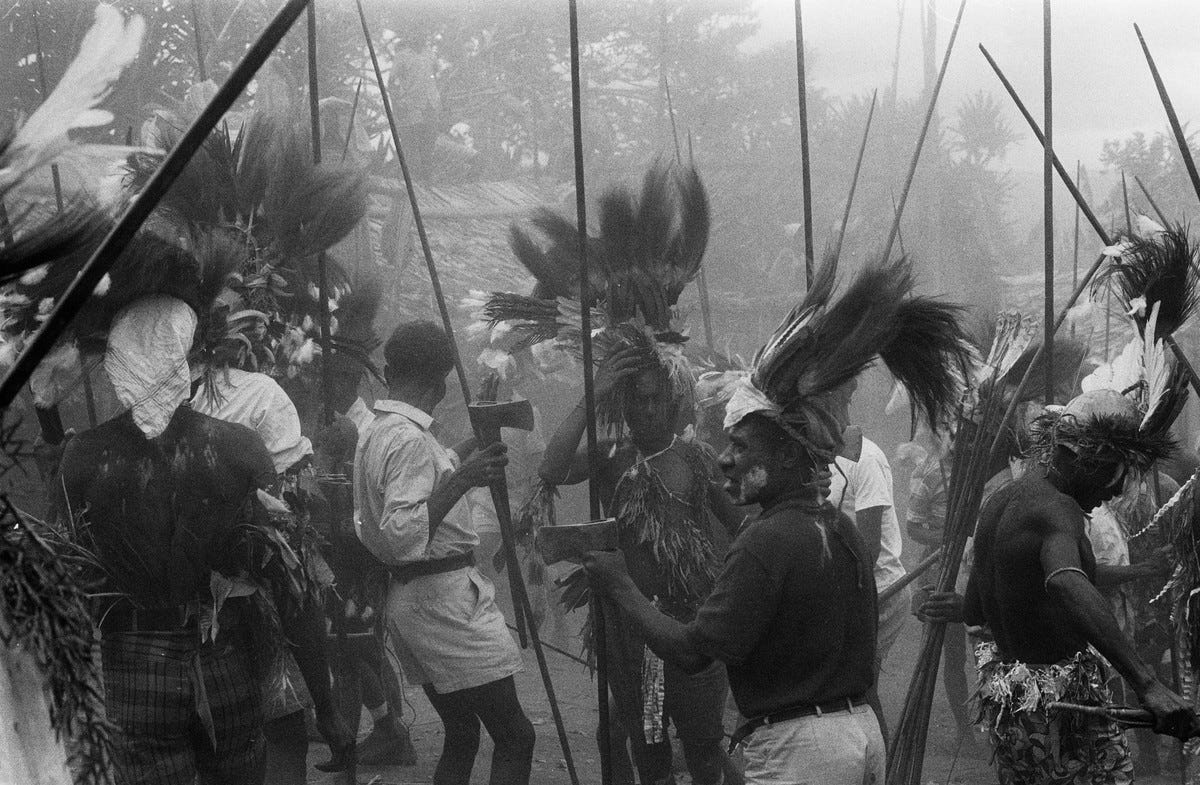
783,715
419,569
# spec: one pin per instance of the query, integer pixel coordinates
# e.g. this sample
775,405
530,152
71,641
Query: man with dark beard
792,613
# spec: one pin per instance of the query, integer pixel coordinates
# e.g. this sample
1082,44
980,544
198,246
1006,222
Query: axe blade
491,416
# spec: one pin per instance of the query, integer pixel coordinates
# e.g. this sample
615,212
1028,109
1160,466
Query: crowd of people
273,557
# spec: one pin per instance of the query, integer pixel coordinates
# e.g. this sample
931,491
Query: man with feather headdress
656,483
792,613
1033,583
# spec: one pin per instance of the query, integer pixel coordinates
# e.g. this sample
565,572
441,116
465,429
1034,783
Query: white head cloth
746,400
146,360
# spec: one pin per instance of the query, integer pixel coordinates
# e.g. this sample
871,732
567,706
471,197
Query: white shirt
397,466
870,485
258,402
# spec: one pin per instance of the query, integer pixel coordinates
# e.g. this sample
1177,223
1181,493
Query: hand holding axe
487,418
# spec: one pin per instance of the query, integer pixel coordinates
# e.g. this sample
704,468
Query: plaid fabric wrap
171,699
1037,746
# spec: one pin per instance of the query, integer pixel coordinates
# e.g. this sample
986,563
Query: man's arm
869,523
1090,612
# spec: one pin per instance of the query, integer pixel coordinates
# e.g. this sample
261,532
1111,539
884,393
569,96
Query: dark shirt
793,613
1007,587
161,513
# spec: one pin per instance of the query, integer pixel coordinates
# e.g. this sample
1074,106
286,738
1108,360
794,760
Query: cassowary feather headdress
821,346
1157,268
649,248
261,189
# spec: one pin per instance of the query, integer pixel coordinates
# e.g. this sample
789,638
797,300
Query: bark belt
419,569
168,619
783,715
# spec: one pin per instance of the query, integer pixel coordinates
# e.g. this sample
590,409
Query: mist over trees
482,93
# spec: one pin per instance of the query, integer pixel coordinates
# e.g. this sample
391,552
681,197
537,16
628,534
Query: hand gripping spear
485,420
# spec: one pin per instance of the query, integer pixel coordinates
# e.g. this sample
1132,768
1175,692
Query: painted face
754,473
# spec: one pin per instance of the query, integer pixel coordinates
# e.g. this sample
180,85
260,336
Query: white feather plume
1158,368
110,45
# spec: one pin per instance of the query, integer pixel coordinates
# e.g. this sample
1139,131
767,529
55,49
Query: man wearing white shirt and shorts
411,514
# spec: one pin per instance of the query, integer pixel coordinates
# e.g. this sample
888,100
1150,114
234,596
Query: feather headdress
1130,426
262,189
649,248
1156,268
820,346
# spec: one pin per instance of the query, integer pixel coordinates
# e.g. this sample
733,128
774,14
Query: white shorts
838,748
448,632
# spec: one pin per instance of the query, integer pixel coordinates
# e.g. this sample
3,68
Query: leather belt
783,715
419,569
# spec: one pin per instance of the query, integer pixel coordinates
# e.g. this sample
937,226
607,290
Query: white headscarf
746,400
146,360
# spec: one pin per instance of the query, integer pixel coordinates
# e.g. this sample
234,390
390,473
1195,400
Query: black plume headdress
820,346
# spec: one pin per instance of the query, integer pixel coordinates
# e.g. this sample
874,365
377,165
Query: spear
523,610
314,115
1048,199
350,125
1125,196
41,62
912,166
1075,252
1090,215
347,758
199,44
862,149
1184,151
805,161
596,609
139,209
701,279
1162,219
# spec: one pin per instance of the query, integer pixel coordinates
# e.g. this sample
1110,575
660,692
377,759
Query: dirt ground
947,762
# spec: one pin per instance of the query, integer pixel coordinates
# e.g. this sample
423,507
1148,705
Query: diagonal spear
139,209
805,161
1180,139
597,610
862,149
916,157
523,610
1162,219
1087,277
350,125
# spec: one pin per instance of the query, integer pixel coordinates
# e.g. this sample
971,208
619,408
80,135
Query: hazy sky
1102,85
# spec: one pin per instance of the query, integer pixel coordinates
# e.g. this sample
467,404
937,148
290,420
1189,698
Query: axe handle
500,500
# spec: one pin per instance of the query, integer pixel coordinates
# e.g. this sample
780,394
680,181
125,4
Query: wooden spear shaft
1162,219
350,125
200,70
1125,197
597,609
1048,198
139,209
522,607
41,62
314,115
1176,128
862,149
1075,247
805,160
916,157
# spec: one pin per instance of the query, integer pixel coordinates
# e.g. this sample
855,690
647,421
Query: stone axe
487,418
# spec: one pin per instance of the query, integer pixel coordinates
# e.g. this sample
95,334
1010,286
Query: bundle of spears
979,430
